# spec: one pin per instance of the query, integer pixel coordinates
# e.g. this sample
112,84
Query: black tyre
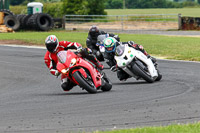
24,21
141,73
108,85
41,21
6,12
159,76
86,84
20,17
11,22
58,22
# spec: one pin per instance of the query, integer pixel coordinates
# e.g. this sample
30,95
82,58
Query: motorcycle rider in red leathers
54,46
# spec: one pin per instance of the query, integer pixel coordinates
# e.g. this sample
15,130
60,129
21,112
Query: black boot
122,76
67,86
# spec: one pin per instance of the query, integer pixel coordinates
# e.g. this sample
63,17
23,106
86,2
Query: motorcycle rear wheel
85,83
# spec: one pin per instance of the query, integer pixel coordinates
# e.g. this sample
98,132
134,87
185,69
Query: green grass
38,38
193,12
170,47
187,128
180,48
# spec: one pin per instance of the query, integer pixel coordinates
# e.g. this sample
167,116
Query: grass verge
170,47
192,12
187,128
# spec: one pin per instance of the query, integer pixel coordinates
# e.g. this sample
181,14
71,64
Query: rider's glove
113,68
141,47
79,49
98,53
131,42
57,73
116,37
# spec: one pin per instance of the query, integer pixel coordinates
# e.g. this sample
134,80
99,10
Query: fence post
63,22
122,22
179,22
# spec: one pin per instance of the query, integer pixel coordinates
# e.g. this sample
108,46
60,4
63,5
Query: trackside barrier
122,22
190,23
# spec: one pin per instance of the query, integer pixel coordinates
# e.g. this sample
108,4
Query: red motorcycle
82,72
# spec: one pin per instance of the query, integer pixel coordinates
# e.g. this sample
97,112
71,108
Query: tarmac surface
32,101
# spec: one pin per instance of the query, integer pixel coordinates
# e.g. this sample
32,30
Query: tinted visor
110,49
94,34
51,47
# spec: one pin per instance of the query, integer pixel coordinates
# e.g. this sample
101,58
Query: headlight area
73,62
64,71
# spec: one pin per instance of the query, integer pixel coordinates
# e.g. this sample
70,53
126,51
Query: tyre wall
38,21
190,23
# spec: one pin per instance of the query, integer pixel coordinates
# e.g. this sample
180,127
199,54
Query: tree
83,7
78,7
159,3
96,7
16,2
114,4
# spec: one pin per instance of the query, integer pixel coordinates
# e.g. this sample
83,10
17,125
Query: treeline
58,8
70,7
139,4
118,4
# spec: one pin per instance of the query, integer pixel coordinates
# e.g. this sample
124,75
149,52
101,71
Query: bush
78,7
53,9
189,4
114,4
18,9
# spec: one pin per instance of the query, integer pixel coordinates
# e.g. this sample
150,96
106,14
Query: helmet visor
51,47
110,49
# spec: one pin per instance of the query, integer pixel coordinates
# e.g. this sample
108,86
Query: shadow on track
70,93
130,83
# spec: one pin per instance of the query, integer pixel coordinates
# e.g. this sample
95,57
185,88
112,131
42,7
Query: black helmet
94,31
51,43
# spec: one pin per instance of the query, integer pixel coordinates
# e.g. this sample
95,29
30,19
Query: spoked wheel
85,83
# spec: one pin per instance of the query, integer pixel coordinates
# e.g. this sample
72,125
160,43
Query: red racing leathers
51,58
51,61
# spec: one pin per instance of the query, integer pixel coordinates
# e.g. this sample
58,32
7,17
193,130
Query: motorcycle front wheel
85,83
159,76
137,69
108,85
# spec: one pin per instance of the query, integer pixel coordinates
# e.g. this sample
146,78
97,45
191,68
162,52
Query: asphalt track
32,101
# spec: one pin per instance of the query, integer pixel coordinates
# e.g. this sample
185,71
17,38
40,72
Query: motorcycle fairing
129,54
80,66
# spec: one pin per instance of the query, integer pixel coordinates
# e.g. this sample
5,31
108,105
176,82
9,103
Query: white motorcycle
136,64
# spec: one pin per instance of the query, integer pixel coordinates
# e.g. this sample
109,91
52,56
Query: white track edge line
40,47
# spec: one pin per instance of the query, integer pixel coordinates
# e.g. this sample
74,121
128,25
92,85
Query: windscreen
120,50
100,39
62,56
